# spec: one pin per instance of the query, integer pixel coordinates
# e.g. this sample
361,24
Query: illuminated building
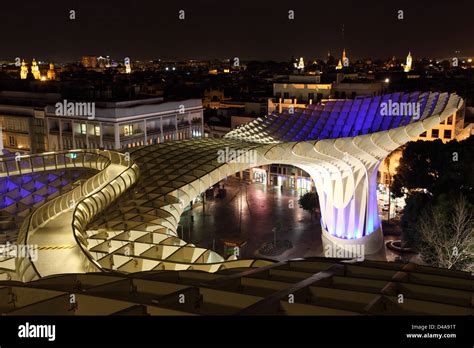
51,73
89,62
340,143
407,66
124,124
297,91
452,128
35,70
22,120
128,67
24,70
353,139
345,60
300,64
30,123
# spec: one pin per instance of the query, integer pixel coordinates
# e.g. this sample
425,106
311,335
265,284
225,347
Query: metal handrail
52,208
96,202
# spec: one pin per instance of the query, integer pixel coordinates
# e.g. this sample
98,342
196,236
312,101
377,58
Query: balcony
136,133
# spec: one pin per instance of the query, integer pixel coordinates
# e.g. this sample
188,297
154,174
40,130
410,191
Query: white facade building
118,125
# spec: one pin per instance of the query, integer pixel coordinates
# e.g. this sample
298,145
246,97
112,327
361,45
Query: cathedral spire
407,66
24,70
35,70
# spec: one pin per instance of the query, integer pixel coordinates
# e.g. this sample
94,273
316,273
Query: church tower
24,70
407,67
301,64
345,60
51,73
35,70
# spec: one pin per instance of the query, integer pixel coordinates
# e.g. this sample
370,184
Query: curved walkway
140,233
58,250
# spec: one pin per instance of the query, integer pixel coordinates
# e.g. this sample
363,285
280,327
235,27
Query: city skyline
252,31
163,160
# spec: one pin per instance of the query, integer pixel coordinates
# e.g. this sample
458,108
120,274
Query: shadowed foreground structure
316,286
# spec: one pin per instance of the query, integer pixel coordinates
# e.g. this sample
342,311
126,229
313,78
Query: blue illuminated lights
347,118
33,188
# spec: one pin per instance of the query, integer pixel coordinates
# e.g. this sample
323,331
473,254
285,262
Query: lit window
12,140
83,128
97,130
128,129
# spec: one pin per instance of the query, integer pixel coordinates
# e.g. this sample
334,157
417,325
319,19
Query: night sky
248,29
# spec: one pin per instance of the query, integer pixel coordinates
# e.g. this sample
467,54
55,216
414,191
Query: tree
447,235
431,173
436,168
415,205
309,202
421,164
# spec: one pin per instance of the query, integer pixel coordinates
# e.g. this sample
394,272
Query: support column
161,130
144,127
117,136
73,137
87,135
175,127
61,143
349,211
101,135
48,136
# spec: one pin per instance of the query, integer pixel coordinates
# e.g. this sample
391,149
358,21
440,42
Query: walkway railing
81,196
90,206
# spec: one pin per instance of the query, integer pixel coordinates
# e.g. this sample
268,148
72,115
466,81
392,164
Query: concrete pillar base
338,247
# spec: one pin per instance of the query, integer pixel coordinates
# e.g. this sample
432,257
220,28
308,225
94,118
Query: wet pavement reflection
251,212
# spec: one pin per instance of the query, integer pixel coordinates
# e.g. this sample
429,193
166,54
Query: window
11,140
435,133
447,134
128,129
286,95
423,135
83,128
310,96
97,130
449,120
